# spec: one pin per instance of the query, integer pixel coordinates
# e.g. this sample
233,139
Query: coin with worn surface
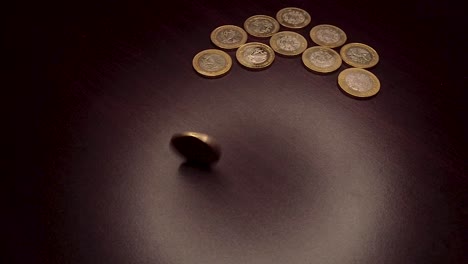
288,43
358,82
228,36
196,147
255,55
293,17
359,55
328,36
261,26
212,62
321,59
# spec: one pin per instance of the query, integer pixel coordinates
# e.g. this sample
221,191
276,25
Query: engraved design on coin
294,17
288,43
256,55
328,35
359,81
359,55
262,26
229,36
212,62
322,59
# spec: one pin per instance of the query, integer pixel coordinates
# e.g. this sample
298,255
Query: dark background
95,90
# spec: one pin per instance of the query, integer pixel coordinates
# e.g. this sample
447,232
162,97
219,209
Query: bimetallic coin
321,59
212,62
359,55
293,17
359,82
261,26
196,147
328,36
255,55
228,36
288,43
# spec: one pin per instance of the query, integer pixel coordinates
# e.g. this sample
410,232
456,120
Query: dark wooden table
308,174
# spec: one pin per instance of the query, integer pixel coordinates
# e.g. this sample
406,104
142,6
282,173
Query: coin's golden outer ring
250,20
234,45
349,61
315,38
289,24
242,49
312,66
197,147
278,49
346,88
220,72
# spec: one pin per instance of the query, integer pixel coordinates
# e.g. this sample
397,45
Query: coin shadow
212,77
197,173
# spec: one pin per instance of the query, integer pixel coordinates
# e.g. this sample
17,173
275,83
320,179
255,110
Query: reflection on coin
293,17
255,55
359,82
212,62
328,36
321,59
261,26
196,147
359,55
228,36
288,43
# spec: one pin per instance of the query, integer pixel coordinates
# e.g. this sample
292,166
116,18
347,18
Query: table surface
307,174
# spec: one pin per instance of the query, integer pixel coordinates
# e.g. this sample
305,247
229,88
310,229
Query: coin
288,43
321,59
261,26
196,147
228,36
328,36
359,82
359,55
255,55
212,62
293,17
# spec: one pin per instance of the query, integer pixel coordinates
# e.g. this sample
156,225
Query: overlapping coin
288,43
228,36
255,55
293,17
261,26
358,82
212,62
359,55
328,36
321,59
196,147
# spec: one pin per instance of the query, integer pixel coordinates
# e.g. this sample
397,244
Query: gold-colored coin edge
241,49
311,66
228,46
313,36
344,86
375,55
285,24
272,19
275,47
215,73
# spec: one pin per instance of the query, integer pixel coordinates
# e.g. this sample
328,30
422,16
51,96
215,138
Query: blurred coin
288,43
359,55
196,147
293,17
228,36
212,62
328,36
321,59
359,82
255,55
261,26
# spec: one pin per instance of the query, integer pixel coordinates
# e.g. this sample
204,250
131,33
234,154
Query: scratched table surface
307,175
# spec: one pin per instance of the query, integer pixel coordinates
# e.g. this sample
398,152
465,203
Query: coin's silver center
212,62
328,35
294,17
322,59
288,43
359,82
359,55
262,26
256,55
229,36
